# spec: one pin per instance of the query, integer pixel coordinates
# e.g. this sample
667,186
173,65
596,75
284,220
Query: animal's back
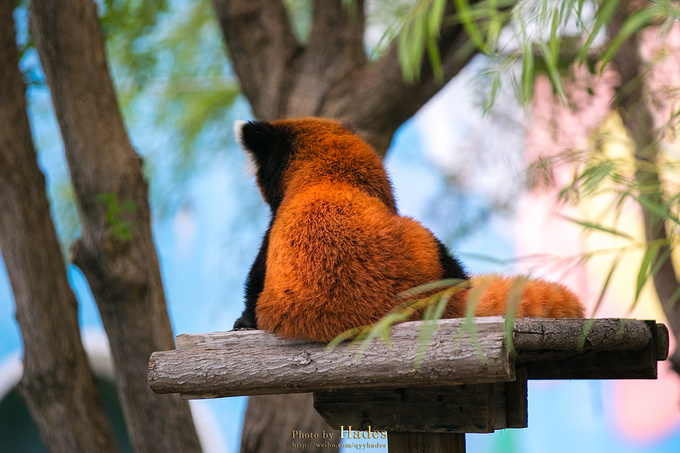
336,259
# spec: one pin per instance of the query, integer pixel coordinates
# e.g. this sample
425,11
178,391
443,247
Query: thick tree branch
116,250
57,382
330,76
378,100
639,122
263,51
335,53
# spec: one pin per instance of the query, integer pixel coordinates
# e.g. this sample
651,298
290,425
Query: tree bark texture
261,433
329,76
116,250
57,381
639,122
294,366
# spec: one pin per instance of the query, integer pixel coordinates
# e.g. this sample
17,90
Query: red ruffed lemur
337,252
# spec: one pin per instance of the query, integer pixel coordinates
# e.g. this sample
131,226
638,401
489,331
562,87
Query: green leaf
660,210
494,25
636,22
596,226
527,88
607,280
659,260
550,57
554,37
429,326
603,16
116,225
435,61
466,17
404,56
673,299
432,286
436,16
587,326
473,298
512,304
644,272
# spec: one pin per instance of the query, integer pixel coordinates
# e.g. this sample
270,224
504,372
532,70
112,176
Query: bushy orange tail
539,298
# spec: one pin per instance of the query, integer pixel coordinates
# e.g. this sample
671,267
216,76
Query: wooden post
426,443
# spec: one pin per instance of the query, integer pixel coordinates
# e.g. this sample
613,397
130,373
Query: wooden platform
455,376
254,362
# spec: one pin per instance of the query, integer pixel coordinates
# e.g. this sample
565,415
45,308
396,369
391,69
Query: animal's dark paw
244,324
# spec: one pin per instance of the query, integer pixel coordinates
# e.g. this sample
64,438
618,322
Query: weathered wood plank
254,362
571,337
473,408
590,349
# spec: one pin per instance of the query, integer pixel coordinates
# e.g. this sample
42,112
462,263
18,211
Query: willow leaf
644,272
466,17
597,226
636,22
602,18
607,280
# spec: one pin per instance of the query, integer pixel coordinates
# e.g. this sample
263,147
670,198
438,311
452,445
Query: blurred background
502,185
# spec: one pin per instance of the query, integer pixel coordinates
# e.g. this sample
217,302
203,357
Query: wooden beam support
472,408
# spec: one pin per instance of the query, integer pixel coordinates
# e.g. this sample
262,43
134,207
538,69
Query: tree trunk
116,250
271,420
57,382
639,122
329,76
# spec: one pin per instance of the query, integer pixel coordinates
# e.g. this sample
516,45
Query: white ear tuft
250,165
238,132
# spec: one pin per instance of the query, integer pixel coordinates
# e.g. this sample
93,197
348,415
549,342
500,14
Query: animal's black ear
257,137
269,148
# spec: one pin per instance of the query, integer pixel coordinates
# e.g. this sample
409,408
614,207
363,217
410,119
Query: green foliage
512,304
548,37
428,302
173,80
118,226
599,175
174,63
126,25
432,305
419,31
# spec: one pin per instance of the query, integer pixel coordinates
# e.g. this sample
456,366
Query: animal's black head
269,148
289,155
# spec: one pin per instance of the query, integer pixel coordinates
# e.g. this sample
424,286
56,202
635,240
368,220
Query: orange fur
539,298
339,253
